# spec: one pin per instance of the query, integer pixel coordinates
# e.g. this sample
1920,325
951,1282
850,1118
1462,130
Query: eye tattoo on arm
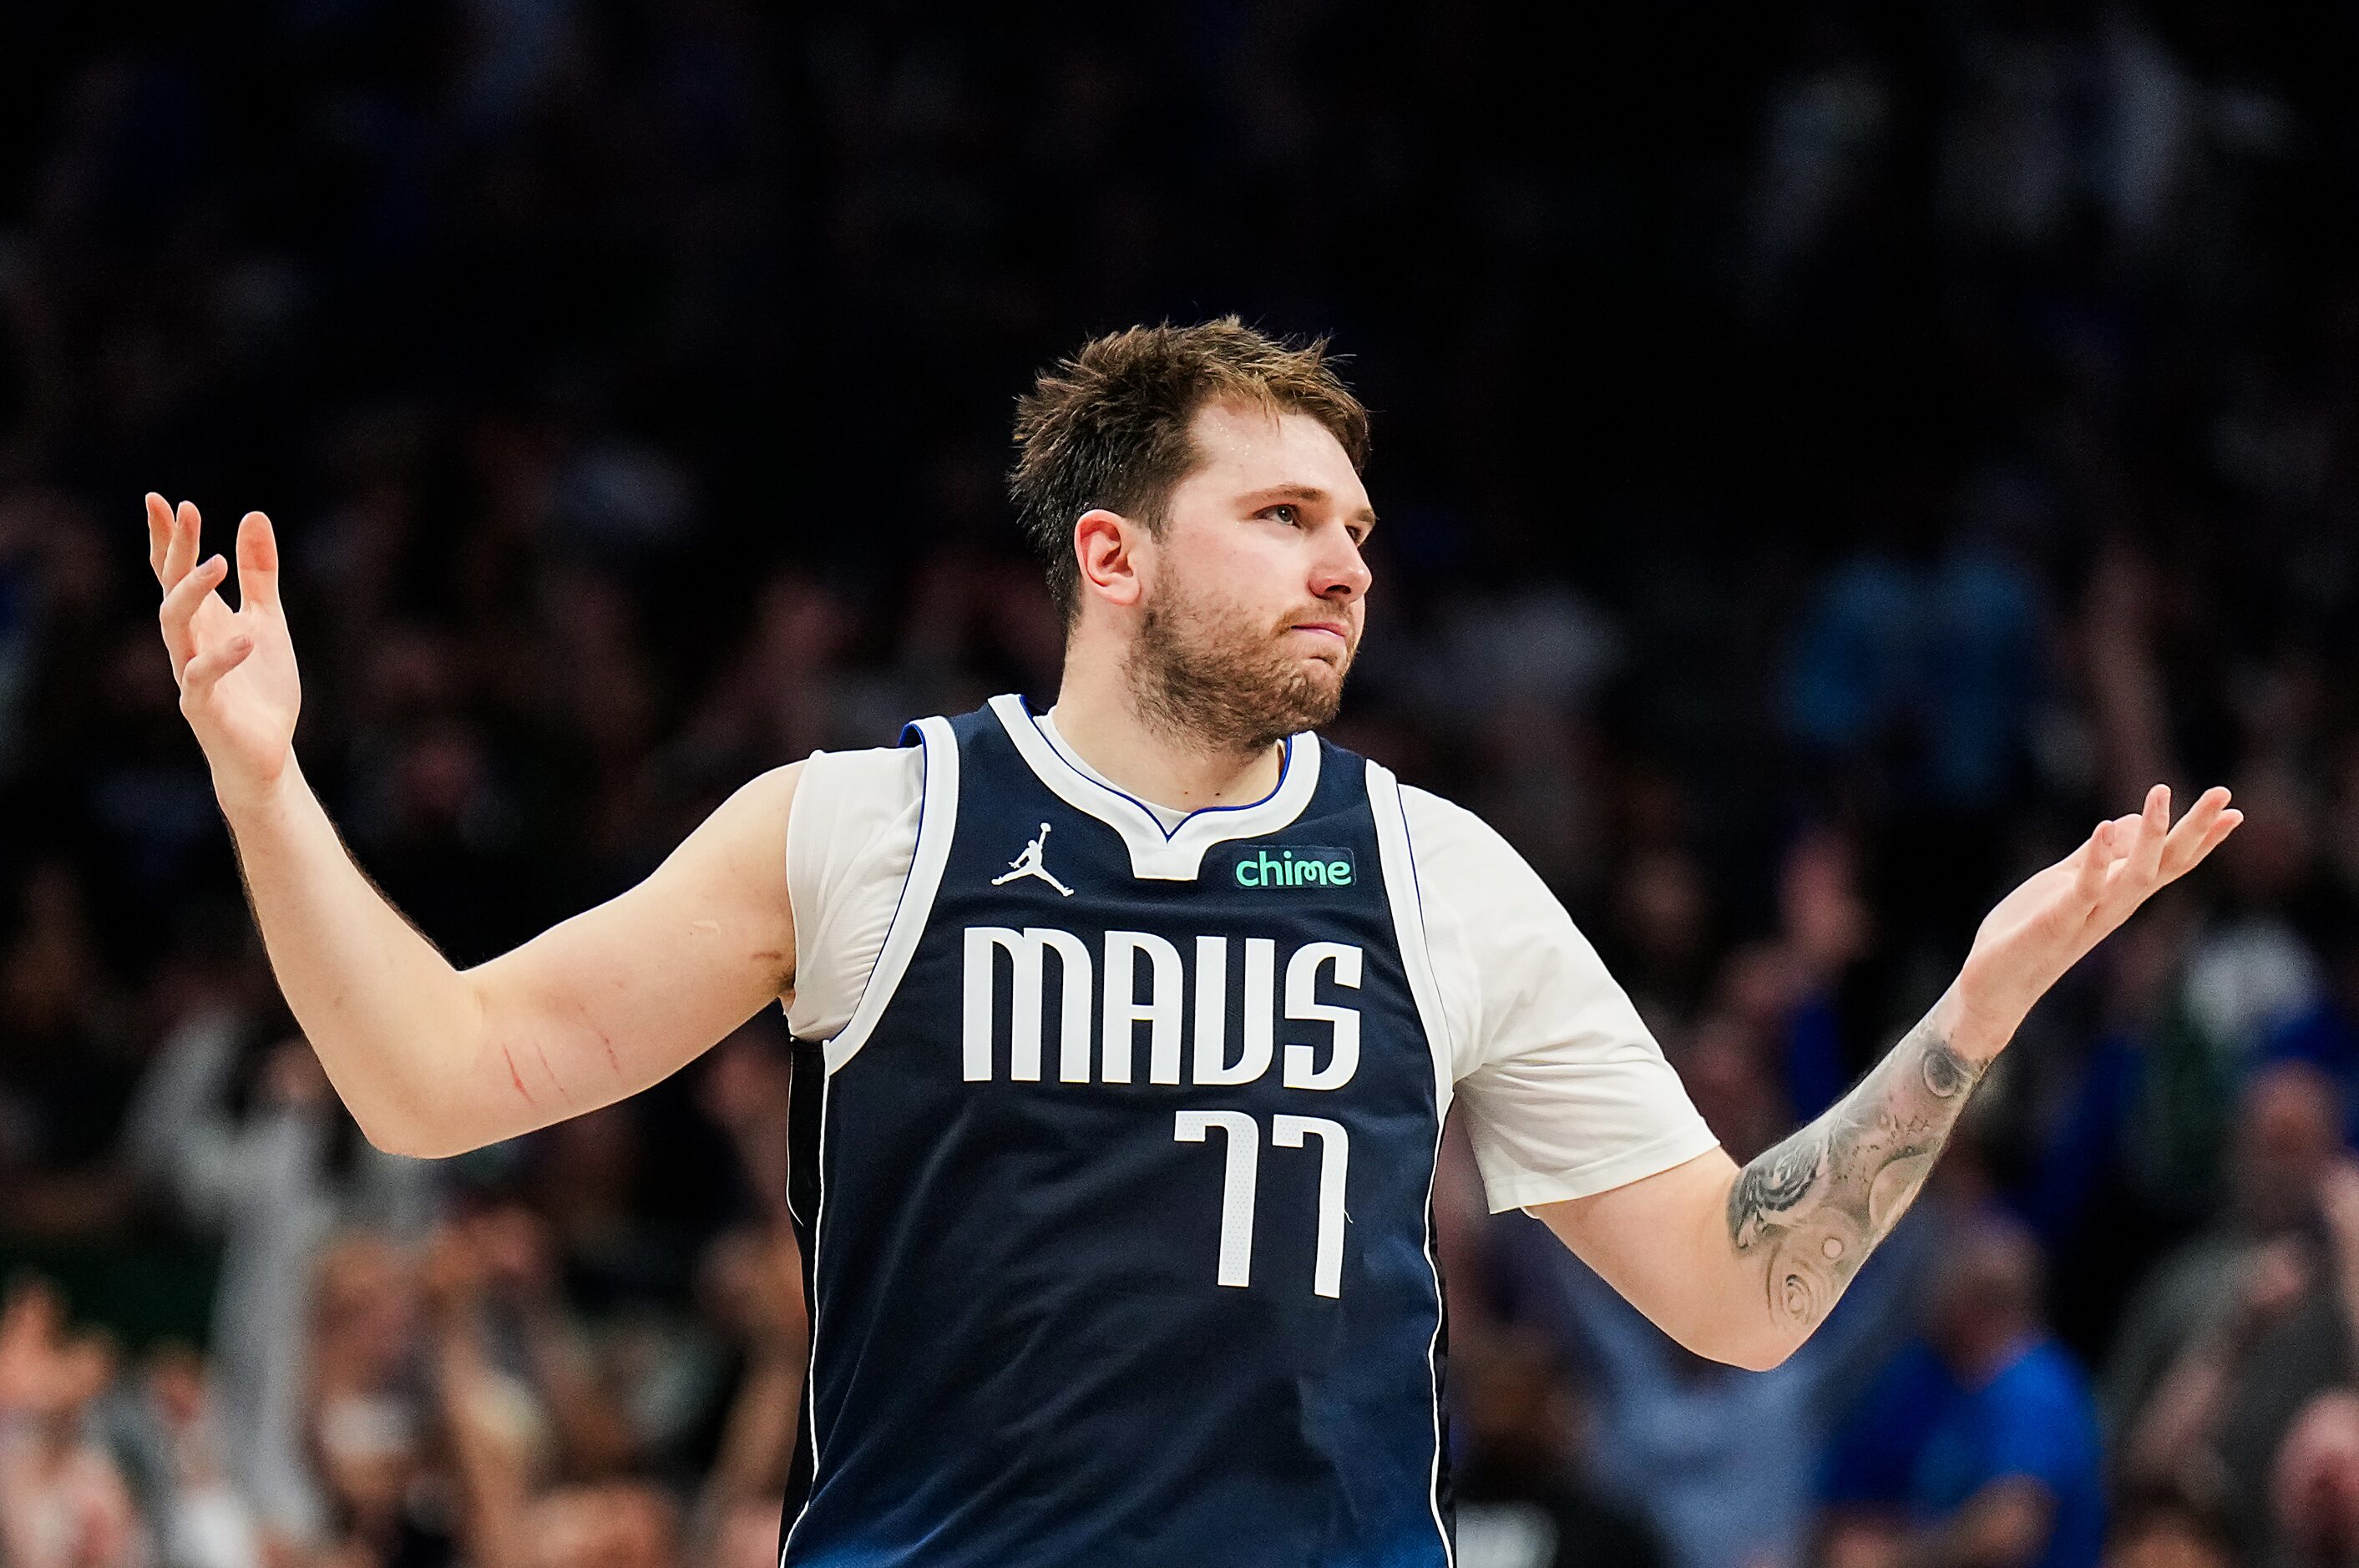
1813,1207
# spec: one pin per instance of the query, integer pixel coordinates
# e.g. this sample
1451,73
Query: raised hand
235,668
2051,922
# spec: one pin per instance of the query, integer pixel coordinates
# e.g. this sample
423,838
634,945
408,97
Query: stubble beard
1210,675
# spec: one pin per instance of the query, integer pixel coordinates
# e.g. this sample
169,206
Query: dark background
1829,456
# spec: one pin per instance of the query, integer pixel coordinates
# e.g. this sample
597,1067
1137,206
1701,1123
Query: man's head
2288,1129
2315,1484
1196,491
1985,1296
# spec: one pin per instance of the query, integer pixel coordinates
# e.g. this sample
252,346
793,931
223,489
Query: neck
1098,718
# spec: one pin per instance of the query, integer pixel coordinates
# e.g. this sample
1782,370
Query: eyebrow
1310,494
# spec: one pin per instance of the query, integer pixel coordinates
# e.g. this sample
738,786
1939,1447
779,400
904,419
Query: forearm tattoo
1813,1208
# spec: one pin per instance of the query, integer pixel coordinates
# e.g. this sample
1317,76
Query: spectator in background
2220,1415
587,1177
1660,930
1914,675
538,1477
758,1289
2125,1112
2314,1486
752,1290
2251,970
2165,1531
370,1414
64,1500
613,1524
1980,1447
2286,1132
1719,1461
2325,1033
541,1343
202,1514
1523,1497
1826,929
65,1071
237,1127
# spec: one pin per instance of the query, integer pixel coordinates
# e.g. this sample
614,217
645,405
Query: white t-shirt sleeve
850,833
1565,1091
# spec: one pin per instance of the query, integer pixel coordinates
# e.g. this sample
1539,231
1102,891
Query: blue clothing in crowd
2327,1038
1922,1441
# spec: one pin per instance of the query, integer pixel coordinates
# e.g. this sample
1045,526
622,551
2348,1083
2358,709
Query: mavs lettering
1101,1006
1109,996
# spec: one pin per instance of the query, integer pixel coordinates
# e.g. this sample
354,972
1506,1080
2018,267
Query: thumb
258,562
201,673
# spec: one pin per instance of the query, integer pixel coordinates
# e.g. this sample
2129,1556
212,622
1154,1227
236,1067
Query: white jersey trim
1155,855
937,820
1408,902
1399,864
810,1362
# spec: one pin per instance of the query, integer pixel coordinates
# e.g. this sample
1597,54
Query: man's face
1254,595
2286,1134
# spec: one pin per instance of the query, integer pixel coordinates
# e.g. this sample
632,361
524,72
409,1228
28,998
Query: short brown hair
1109,426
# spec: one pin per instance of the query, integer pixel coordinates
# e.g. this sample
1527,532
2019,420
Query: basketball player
1130,1024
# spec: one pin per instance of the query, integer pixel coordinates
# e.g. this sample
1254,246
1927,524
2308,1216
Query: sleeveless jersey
1116,1192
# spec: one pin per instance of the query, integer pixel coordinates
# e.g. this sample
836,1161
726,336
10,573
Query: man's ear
1106,544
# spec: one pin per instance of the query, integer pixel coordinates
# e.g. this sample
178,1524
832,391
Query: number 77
1241,1176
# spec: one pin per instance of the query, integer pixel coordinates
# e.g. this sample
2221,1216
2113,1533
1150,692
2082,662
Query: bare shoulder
758,810
828,806
730,867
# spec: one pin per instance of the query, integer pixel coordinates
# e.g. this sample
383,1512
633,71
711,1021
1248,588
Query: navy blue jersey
1116,1192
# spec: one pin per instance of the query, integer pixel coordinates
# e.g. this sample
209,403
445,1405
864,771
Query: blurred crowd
1830,455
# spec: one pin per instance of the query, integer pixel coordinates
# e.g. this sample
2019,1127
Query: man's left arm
1743,1265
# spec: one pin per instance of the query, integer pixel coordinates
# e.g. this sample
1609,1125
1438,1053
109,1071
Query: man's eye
1286,512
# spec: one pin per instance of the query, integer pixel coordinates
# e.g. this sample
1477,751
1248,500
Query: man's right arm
433,1060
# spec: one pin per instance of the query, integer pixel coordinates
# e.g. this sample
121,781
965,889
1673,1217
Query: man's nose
1340,570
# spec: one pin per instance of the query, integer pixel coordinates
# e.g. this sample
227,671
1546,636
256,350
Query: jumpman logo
1029,864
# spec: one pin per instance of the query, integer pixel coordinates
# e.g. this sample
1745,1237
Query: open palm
2046,925
239,690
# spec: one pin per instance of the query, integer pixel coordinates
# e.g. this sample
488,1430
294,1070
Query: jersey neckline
1155,854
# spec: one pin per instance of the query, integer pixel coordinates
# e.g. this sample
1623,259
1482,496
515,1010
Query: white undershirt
1169,816
1566,1092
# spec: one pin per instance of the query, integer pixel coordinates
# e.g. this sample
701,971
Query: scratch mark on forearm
542,1051
515,1077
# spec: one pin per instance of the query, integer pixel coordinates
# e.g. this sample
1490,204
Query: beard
1212,674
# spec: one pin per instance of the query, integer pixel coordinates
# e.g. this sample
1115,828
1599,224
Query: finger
198,680
2093,855
2154,827
180,549
159,532
2197,833
179,610
2229,822
258,562
2121,836
2189,839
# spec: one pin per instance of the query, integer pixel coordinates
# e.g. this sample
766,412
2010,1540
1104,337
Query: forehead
1242,447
